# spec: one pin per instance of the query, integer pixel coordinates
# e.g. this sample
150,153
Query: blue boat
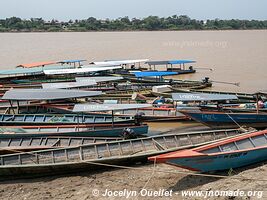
243,150
170,66
218,119
117,130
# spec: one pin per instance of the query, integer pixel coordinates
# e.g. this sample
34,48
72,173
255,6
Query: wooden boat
146,114
180,89
170,65
219,119
127,93
104,130
46,119
19,144
227,154
71,159
155,114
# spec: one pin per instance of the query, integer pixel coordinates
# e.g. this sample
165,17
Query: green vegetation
151,23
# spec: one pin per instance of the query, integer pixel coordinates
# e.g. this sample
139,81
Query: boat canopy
169,62
173,62
154,73
120,62
71,61
202,97
35,70
47,94
36,64
107,107
99,79
80,70
68,84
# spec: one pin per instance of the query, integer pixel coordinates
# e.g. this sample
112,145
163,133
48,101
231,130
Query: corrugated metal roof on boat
181,61
160,62
99,79
68,84
36,64
35,70
72,61
47,94
84,69
121,62
156,73
201,97
107,107
166,62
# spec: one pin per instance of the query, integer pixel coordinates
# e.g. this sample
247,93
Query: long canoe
74,131
227,154
18,144
44,162
46,119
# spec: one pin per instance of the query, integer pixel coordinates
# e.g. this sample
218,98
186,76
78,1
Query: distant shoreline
125,24
129,31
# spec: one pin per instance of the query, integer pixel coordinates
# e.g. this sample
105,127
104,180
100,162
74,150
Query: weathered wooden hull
65,160
227,154
100,131
49,119
20,144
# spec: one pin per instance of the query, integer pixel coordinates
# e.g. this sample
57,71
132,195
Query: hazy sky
82,9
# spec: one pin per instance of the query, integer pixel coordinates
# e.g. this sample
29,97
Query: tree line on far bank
151,23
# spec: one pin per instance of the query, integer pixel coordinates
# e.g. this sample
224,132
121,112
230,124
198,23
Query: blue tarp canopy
169,62
173,62
71,61
156,73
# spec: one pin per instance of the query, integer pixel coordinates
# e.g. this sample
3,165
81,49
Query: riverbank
94,185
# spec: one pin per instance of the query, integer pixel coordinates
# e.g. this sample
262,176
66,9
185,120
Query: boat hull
100,132
228,120
221,162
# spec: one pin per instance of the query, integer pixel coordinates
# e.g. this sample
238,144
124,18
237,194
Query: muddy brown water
234,56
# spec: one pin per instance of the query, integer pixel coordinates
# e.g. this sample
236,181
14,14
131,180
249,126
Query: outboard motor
138,118
206,80
128,133
115,85
171,81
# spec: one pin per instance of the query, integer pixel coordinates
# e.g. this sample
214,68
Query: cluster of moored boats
62,116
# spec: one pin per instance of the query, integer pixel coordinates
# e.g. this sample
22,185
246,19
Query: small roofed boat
161,113
227,154
194,101
170,65
86,157
220,119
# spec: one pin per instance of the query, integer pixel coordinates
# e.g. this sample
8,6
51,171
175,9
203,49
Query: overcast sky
82,9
